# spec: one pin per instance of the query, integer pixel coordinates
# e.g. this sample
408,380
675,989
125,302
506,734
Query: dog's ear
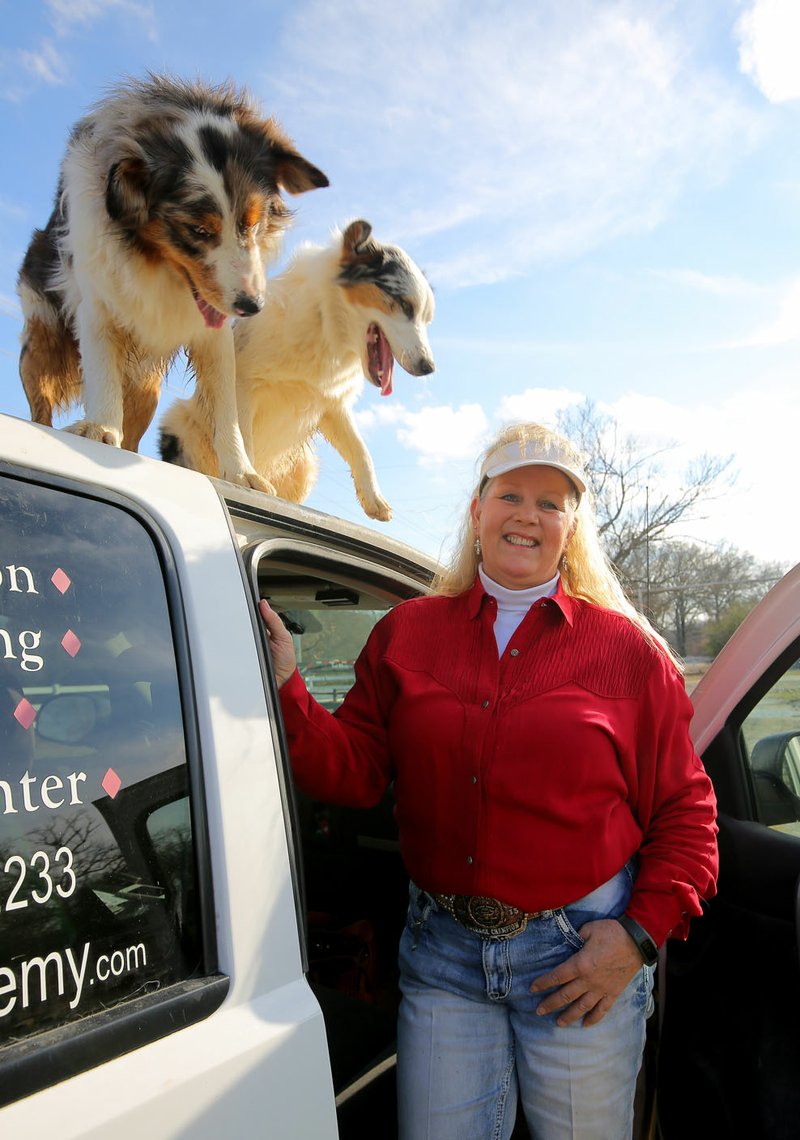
296,174
126,191
290,170
357,244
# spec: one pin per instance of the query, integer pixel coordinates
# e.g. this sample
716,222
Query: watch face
649,952
647,947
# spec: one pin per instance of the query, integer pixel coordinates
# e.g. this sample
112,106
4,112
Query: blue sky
604,194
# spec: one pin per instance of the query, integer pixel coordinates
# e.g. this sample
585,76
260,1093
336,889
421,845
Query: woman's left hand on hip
586,985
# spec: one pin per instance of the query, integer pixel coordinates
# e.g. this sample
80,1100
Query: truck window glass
771,739
97,879
329,624
355,884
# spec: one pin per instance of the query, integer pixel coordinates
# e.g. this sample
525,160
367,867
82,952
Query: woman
555,821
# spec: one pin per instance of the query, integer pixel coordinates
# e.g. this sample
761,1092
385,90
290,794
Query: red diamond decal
61,580
71,642
25,713
111,783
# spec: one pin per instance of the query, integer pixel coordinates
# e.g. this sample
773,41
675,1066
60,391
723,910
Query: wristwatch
647,947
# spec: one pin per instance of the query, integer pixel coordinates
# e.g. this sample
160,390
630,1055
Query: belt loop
418,923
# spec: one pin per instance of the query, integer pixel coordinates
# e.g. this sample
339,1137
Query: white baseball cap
532,454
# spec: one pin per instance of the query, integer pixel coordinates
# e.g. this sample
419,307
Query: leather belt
488,917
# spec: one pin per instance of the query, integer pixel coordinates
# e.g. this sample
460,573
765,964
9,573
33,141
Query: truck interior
354,889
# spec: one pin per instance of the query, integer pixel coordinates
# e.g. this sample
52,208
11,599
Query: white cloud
437,434
9,306
13,210
769,39
46,64
783,328
524,132
657,424
444,433
66,13
707,283
540,405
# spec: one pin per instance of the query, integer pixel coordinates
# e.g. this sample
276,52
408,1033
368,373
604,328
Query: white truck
188,946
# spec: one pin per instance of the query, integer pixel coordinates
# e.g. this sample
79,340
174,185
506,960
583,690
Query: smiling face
525,520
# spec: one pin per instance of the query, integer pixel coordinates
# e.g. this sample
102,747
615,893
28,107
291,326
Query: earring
564,564
477,546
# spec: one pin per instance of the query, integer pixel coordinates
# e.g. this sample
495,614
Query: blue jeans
471,1046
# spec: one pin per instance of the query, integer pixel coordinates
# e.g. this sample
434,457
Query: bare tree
680,585
634,506
676,600
685,586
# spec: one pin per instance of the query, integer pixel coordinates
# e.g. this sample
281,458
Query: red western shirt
532,778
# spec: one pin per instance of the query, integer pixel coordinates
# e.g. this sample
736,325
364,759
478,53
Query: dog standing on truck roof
336,315
167,211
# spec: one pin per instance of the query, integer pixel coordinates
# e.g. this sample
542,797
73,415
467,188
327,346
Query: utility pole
647,547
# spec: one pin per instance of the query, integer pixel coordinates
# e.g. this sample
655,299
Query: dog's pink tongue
381,361
213,317
387,367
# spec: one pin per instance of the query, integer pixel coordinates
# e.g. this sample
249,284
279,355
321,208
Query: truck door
730,1048
352,889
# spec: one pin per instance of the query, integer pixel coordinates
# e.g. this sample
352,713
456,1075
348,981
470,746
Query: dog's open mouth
381,361
213,317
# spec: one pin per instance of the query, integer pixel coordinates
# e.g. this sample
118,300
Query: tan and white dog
337,314
167,212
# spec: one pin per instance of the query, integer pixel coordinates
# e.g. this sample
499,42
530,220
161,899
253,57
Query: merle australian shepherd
337,314
167,211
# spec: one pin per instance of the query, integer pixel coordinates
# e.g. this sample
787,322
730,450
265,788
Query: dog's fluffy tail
169,448
49,361
184,439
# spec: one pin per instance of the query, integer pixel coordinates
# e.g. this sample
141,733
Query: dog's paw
377,508
99,432
252,479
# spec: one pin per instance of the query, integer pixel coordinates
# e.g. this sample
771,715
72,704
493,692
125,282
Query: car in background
328,681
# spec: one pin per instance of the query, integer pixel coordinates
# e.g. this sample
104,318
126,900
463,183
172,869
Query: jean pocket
568,931
606,901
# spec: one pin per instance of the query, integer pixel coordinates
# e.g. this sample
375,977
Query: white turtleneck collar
512,605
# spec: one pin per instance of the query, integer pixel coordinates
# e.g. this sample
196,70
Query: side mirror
775,765
67,718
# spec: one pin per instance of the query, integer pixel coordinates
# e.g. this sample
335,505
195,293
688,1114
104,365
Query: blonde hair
587,573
